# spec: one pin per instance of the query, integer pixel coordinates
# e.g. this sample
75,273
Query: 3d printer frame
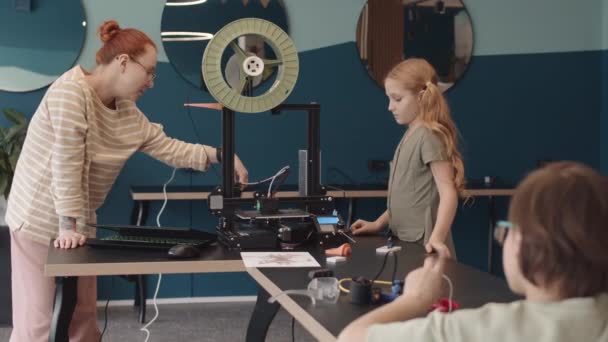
224,203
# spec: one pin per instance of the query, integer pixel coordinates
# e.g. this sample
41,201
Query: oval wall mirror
439,31
187,27
39,41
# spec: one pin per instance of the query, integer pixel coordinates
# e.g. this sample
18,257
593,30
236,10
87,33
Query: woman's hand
240,172
69,239
365,227
424,284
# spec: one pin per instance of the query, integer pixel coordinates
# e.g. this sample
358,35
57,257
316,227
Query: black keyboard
143,243
151,237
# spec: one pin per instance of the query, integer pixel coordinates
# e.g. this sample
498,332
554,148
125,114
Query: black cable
381,268
198,137
394,266
343,174
105,310
293,335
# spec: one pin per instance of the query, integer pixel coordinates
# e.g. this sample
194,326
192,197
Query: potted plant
11,142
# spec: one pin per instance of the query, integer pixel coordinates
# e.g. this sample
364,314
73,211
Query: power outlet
377,165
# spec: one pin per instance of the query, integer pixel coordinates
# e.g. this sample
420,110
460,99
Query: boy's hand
424,283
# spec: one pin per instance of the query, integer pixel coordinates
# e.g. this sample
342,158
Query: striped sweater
74,149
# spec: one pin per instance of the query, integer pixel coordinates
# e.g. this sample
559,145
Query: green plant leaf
14,133
4,184
14,156
14,116
11,143
4,160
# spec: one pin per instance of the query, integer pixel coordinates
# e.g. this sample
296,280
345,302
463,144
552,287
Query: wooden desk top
472,288
88,260
155,193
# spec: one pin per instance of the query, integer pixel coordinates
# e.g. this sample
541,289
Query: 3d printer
269,225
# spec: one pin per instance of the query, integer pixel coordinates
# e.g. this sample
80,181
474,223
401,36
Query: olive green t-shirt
413,198
574,319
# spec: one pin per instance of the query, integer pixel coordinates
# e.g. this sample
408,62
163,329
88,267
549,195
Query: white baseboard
182,300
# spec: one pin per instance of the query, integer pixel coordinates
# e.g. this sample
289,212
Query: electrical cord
271,178
293,333
345,290
145,327
198,138
160,212
343,174
165,198
105,310
394,266
381,267
451,292
281,172
383,282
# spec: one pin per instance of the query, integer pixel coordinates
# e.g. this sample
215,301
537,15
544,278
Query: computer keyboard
151,239
125,236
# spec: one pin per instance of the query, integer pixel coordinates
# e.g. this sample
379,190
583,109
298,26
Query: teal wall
37,46
535,90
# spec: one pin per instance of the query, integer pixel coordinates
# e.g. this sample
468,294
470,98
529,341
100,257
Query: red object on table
443,305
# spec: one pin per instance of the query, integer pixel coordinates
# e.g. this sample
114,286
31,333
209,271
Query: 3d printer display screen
327,219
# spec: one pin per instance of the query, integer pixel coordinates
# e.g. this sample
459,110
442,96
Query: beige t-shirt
575,319
413,198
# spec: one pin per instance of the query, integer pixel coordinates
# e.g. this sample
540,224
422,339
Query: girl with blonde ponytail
427,173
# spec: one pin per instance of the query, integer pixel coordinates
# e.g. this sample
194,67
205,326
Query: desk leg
492,222
63,308
262,316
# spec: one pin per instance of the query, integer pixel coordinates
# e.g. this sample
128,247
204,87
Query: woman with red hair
80,137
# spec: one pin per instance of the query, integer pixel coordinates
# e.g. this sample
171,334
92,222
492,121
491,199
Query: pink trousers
33,296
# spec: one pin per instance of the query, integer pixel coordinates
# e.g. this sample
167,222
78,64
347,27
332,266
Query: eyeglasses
501,230
151,75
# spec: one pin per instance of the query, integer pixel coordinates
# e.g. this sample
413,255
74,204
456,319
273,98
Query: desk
66,265
141,195
472,288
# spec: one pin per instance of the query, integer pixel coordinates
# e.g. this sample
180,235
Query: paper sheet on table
278,259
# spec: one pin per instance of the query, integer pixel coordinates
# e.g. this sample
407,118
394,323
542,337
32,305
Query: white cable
165,196
260,182
160,276
145,327
269,178
451,292
281,171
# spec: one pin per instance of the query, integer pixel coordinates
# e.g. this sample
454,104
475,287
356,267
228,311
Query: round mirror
39,41
187,27
439,31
